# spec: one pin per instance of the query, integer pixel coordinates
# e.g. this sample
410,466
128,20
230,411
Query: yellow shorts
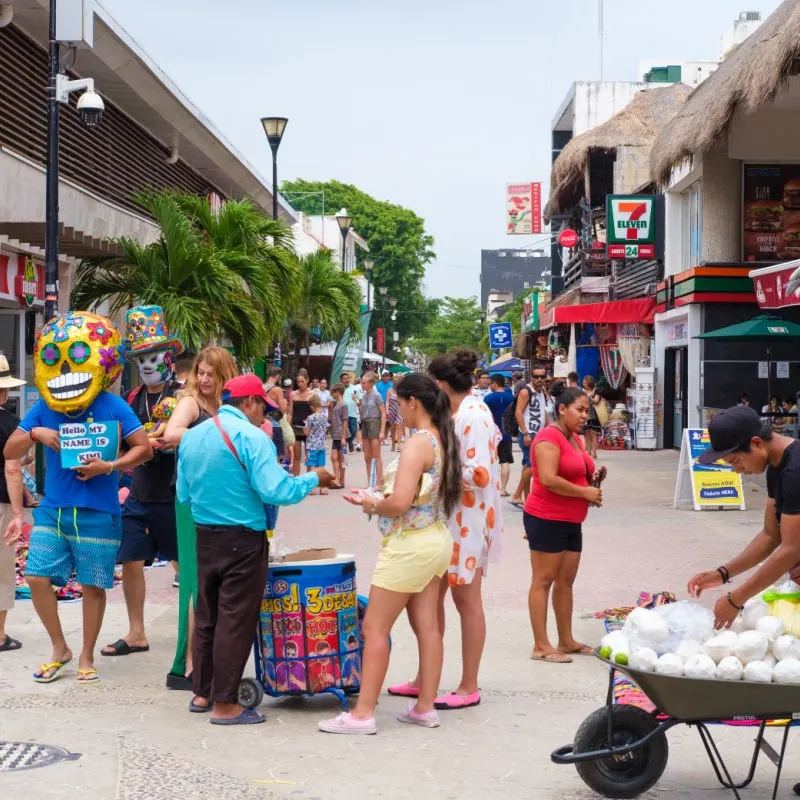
409,562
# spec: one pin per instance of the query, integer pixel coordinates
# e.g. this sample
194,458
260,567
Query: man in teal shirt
228,470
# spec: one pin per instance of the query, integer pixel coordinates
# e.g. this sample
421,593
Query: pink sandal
403,690
453,701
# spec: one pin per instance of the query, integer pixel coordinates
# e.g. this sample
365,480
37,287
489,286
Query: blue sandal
248,717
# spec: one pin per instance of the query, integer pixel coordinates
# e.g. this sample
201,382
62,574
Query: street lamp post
274,128
51,187
368,266
345,222
383,292
393,306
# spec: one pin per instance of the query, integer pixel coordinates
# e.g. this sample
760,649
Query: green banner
350,352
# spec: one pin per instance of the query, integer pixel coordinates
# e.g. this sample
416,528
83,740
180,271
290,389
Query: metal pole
275,183
383,325
601,40
51,190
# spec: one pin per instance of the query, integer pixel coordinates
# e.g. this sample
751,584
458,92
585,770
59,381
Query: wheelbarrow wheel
622,776
251,693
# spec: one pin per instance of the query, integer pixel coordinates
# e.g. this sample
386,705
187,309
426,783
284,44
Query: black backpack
510,426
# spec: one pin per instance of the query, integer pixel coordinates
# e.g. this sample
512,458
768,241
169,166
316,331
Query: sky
431,104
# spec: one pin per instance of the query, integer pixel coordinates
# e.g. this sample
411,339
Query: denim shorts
148,530
315,458
526,450
74,540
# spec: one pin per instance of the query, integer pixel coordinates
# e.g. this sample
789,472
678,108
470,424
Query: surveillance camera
91,107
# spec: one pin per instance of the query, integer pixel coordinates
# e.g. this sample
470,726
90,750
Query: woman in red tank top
562,491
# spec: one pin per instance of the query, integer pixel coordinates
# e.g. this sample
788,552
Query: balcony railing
590,263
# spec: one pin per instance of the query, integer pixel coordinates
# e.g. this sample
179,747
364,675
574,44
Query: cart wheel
622,776
251,693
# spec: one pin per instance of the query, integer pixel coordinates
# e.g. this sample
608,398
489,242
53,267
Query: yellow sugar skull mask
77,356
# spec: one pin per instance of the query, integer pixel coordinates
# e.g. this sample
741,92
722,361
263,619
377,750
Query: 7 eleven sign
630,230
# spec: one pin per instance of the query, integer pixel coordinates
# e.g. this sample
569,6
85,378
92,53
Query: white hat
7,381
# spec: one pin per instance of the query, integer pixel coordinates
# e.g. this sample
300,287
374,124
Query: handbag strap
228,442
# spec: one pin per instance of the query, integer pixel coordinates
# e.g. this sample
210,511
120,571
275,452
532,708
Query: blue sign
81,441
500,335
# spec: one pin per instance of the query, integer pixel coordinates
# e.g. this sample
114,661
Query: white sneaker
348,724
430,719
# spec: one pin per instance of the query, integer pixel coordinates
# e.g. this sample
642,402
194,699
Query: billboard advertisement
523,208
771,212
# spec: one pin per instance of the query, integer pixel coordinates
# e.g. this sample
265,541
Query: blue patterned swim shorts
74,540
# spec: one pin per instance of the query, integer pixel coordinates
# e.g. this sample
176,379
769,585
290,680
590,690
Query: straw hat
7,381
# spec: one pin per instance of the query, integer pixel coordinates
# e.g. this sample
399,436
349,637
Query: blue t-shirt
498,402
62,488
383,388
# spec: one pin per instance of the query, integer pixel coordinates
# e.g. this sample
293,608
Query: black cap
729,431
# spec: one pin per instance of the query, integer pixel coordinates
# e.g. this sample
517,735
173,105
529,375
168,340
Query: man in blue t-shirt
76,528
498,401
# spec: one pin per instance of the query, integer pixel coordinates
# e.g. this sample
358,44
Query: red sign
380,340
647,251
536,208
568,238
26,281
771,287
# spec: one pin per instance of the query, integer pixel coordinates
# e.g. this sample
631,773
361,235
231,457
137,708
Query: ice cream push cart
309,632
621,751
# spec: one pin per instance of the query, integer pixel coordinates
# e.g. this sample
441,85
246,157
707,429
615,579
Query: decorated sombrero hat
147,333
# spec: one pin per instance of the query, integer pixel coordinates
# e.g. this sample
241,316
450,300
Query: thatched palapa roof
637,125
747,80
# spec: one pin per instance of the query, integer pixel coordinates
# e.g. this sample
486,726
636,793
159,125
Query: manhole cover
30,755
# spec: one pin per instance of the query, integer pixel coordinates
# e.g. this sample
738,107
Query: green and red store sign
21,280
630,223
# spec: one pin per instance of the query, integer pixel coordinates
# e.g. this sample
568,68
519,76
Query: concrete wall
596,102
631,169
722,218
22,200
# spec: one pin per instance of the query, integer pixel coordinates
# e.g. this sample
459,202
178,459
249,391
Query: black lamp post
274,127
383,292
51,186
345,222
368,266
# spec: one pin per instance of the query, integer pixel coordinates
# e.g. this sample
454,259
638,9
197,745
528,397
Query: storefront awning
770,285
642,309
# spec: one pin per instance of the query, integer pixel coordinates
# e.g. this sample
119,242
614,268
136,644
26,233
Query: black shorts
148,530
505,451
550,536
336,445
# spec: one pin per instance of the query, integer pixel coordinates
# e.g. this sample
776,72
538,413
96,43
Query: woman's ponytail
450,487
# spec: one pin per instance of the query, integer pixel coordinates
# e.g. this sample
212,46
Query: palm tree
208,292
328,300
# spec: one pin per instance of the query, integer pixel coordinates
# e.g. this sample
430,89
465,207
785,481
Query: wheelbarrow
621,751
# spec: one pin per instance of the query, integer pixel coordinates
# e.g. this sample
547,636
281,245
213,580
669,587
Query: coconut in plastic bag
729,669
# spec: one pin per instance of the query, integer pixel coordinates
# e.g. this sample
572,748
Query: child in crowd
339,432
316,427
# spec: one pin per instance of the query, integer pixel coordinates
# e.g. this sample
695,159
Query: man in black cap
741,439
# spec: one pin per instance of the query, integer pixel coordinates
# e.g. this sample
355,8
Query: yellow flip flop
88,676
55,665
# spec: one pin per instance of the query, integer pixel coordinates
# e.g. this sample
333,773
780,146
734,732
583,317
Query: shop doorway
12,345
676,385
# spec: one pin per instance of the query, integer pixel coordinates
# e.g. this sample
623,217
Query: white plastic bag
758,672
786,646
616,640
787,671
687,648
669,664
771,627
699,666
754,609
769,660
751,646
645,627
730,669
644,659
720,646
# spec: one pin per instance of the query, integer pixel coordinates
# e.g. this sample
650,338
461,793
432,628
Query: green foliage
326,299
398,245
457,323
217,278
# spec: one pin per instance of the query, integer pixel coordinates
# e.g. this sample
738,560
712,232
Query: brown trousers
231,574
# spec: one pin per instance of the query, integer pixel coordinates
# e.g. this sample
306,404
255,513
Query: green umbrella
400,369
766,328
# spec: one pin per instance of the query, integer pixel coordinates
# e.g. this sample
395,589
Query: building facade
514,271
150,137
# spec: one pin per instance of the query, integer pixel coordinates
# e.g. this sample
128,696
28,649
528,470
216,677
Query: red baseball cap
246,386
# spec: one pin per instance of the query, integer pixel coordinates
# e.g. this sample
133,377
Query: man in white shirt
482,387
531,416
